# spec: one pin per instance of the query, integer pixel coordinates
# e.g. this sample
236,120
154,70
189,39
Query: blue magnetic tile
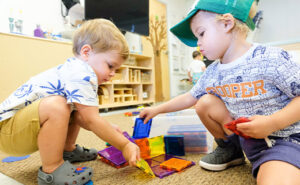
141,129
174,145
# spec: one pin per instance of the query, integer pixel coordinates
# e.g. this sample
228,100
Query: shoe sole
220,167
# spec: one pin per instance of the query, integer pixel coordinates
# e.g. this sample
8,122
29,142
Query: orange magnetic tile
144,147
176,164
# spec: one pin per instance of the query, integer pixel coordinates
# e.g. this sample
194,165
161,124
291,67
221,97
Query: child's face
213,38
104,64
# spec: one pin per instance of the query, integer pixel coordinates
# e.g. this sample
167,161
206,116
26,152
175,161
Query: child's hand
131,153
117,128
258,127
148,113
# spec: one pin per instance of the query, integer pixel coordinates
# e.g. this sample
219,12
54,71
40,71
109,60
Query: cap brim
183,31
250,23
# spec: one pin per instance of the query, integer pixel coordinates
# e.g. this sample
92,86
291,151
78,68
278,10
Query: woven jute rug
25,171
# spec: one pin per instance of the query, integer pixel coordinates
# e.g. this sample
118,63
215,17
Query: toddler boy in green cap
246,80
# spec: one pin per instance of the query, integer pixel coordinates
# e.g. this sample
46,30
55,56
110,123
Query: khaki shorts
18,134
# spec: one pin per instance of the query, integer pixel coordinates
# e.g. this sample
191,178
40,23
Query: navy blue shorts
284,149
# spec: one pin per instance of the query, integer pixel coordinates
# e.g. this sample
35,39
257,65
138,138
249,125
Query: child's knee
54,105
207,101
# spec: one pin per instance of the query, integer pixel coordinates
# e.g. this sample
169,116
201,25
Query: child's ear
228,21
85,51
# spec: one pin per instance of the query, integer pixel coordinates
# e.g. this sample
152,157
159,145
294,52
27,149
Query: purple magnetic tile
160,172
163,157
118,159
108,152
128,137
152,162
112,154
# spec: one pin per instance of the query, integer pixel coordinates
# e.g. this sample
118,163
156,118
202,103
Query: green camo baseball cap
238,8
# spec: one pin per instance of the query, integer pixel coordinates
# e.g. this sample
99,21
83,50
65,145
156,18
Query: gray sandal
80,154
66,174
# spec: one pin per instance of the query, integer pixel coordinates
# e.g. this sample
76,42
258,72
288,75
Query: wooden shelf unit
133,84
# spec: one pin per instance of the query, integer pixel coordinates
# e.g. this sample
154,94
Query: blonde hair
102,35
240,26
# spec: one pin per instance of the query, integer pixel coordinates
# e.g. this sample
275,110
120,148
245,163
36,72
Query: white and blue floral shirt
261,82
75,80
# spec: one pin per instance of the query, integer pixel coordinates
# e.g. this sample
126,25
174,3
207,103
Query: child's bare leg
214,114
278,173
72,152
54,118
73,132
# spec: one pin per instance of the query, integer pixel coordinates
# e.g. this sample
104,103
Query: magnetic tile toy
176,164
161,172
143,165
157,146
112,164
162,158
141,129
126,135
152,163
174,145
113,155
144,147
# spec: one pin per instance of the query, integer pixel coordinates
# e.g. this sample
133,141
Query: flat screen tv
128,15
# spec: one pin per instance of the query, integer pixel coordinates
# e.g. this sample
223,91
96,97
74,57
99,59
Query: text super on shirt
261,82
75,80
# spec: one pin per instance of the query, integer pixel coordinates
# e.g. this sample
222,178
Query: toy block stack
155,161
155,151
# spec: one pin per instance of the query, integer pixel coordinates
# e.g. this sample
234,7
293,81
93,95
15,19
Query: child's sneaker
224,156
80,154
66,174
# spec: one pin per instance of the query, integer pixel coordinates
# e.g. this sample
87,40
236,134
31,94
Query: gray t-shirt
75,80
261,82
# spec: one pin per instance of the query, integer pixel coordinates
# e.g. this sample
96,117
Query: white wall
281,21
180,55
47,13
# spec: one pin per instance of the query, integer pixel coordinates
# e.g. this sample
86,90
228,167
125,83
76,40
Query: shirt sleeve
199,88
287,77
81,86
